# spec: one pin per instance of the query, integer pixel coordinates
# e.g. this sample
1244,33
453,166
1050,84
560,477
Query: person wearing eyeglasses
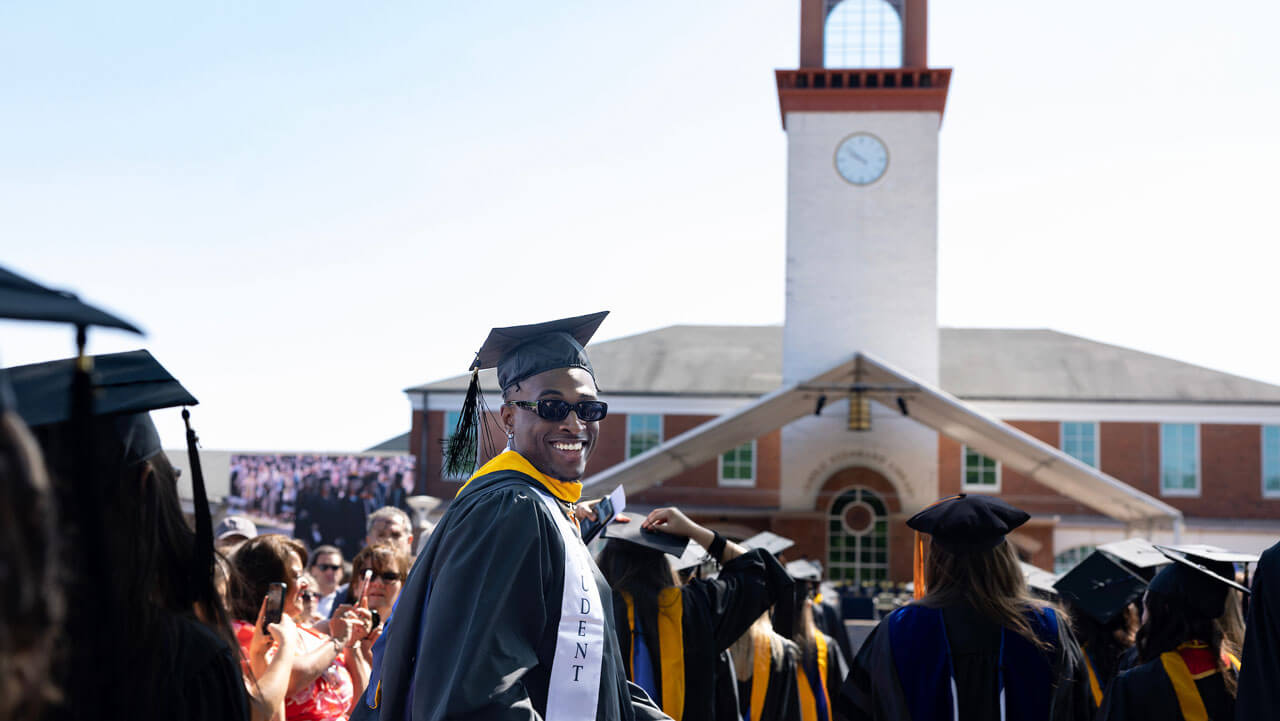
390,566
326,568
505,615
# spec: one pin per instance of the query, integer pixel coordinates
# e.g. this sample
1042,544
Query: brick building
859,410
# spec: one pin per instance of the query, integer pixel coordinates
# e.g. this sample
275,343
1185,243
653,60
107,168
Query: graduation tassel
460,449
203,568
917,568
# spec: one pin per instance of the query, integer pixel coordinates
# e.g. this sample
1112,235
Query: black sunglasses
327,567
387,576
557,410
309,595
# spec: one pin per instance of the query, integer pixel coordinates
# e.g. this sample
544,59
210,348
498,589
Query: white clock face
862,159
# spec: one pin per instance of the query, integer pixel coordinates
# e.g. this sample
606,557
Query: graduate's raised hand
670,520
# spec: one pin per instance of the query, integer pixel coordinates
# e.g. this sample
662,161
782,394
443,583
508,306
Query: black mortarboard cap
23,299
518,352
1039,580
524,351
1203,588
693,556
968,523
769,541
1138,554
1101,586
125,387
1208,555
657,540
804,570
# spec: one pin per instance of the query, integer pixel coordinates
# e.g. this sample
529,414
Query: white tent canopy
925,404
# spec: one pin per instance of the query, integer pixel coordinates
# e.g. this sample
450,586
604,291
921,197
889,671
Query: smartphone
275,606
604,514
364,590
376,619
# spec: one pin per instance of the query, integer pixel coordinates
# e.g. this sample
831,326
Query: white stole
574,689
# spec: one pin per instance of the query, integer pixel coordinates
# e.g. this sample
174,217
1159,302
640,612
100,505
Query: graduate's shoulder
505,501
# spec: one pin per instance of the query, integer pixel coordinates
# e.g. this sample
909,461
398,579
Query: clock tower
862,115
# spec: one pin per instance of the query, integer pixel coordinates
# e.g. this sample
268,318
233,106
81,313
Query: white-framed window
979,473
450,423
644,431
1080,441
1179,459
1068,559
1271,461
738,466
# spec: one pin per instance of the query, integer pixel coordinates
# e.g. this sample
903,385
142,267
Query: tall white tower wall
861,276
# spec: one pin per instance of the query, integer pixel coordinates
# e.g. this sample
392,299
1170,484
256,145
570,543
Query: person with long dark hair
975,645
31,602
822,663
1101,594
150,635
1186,667
670,634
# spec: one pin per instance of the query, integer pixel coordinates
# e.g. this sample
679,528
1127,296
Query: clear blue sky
310,206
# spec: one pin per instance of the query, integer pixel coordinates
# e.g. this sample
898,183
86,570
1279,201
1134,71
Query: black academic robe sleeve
1259,691
487,614
743,590
837,669
871,689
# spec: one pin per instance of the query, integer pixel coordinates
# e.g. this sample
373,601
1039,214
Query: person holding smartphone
327,674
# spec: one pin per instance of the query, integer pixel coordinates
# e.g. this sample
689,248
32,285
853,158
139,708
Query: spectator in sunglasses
308,600
390,566
325,567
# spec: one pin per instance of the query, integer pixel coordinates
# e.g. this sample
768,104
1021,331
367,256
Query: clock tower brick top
904,82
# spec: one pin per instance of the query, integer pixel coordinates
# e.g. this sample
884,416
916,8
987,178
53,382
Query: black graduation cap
1138,555
524,351
693,556
24,299
668,543
769,541
518,352
804,570
1101,586
124,383
123,388
1203,587
968,524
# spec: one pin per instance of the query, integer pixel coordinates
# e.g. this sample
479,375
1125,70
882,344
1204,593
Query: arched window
858,535
863,34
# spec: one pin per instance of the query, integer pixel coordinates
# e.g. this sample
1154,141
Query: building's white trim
1005,410
627,442
1235,538
739,482
655,405
1131,412
977,488
1180,492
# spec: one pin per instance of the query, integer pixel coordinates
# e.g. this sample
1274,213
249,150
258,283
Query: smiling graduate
505,615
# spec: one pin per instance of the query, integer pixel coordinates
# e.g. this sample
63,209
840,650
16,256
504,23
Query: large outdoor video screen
321,498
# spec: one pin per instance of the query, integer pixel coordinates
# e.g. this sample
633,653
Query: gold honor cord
670,647
509,460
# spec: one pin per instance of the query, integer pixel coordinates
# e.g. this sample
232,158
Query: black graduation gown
1145,693
874,690
715,613
726,691
781,695
830,621
473,633
1259,694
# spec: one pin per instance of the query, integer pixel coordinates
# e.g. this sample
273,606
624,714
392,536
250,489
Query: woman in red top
329,674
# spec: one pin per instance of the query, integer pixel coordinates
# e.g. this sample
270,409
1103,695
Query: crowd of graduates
116,605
